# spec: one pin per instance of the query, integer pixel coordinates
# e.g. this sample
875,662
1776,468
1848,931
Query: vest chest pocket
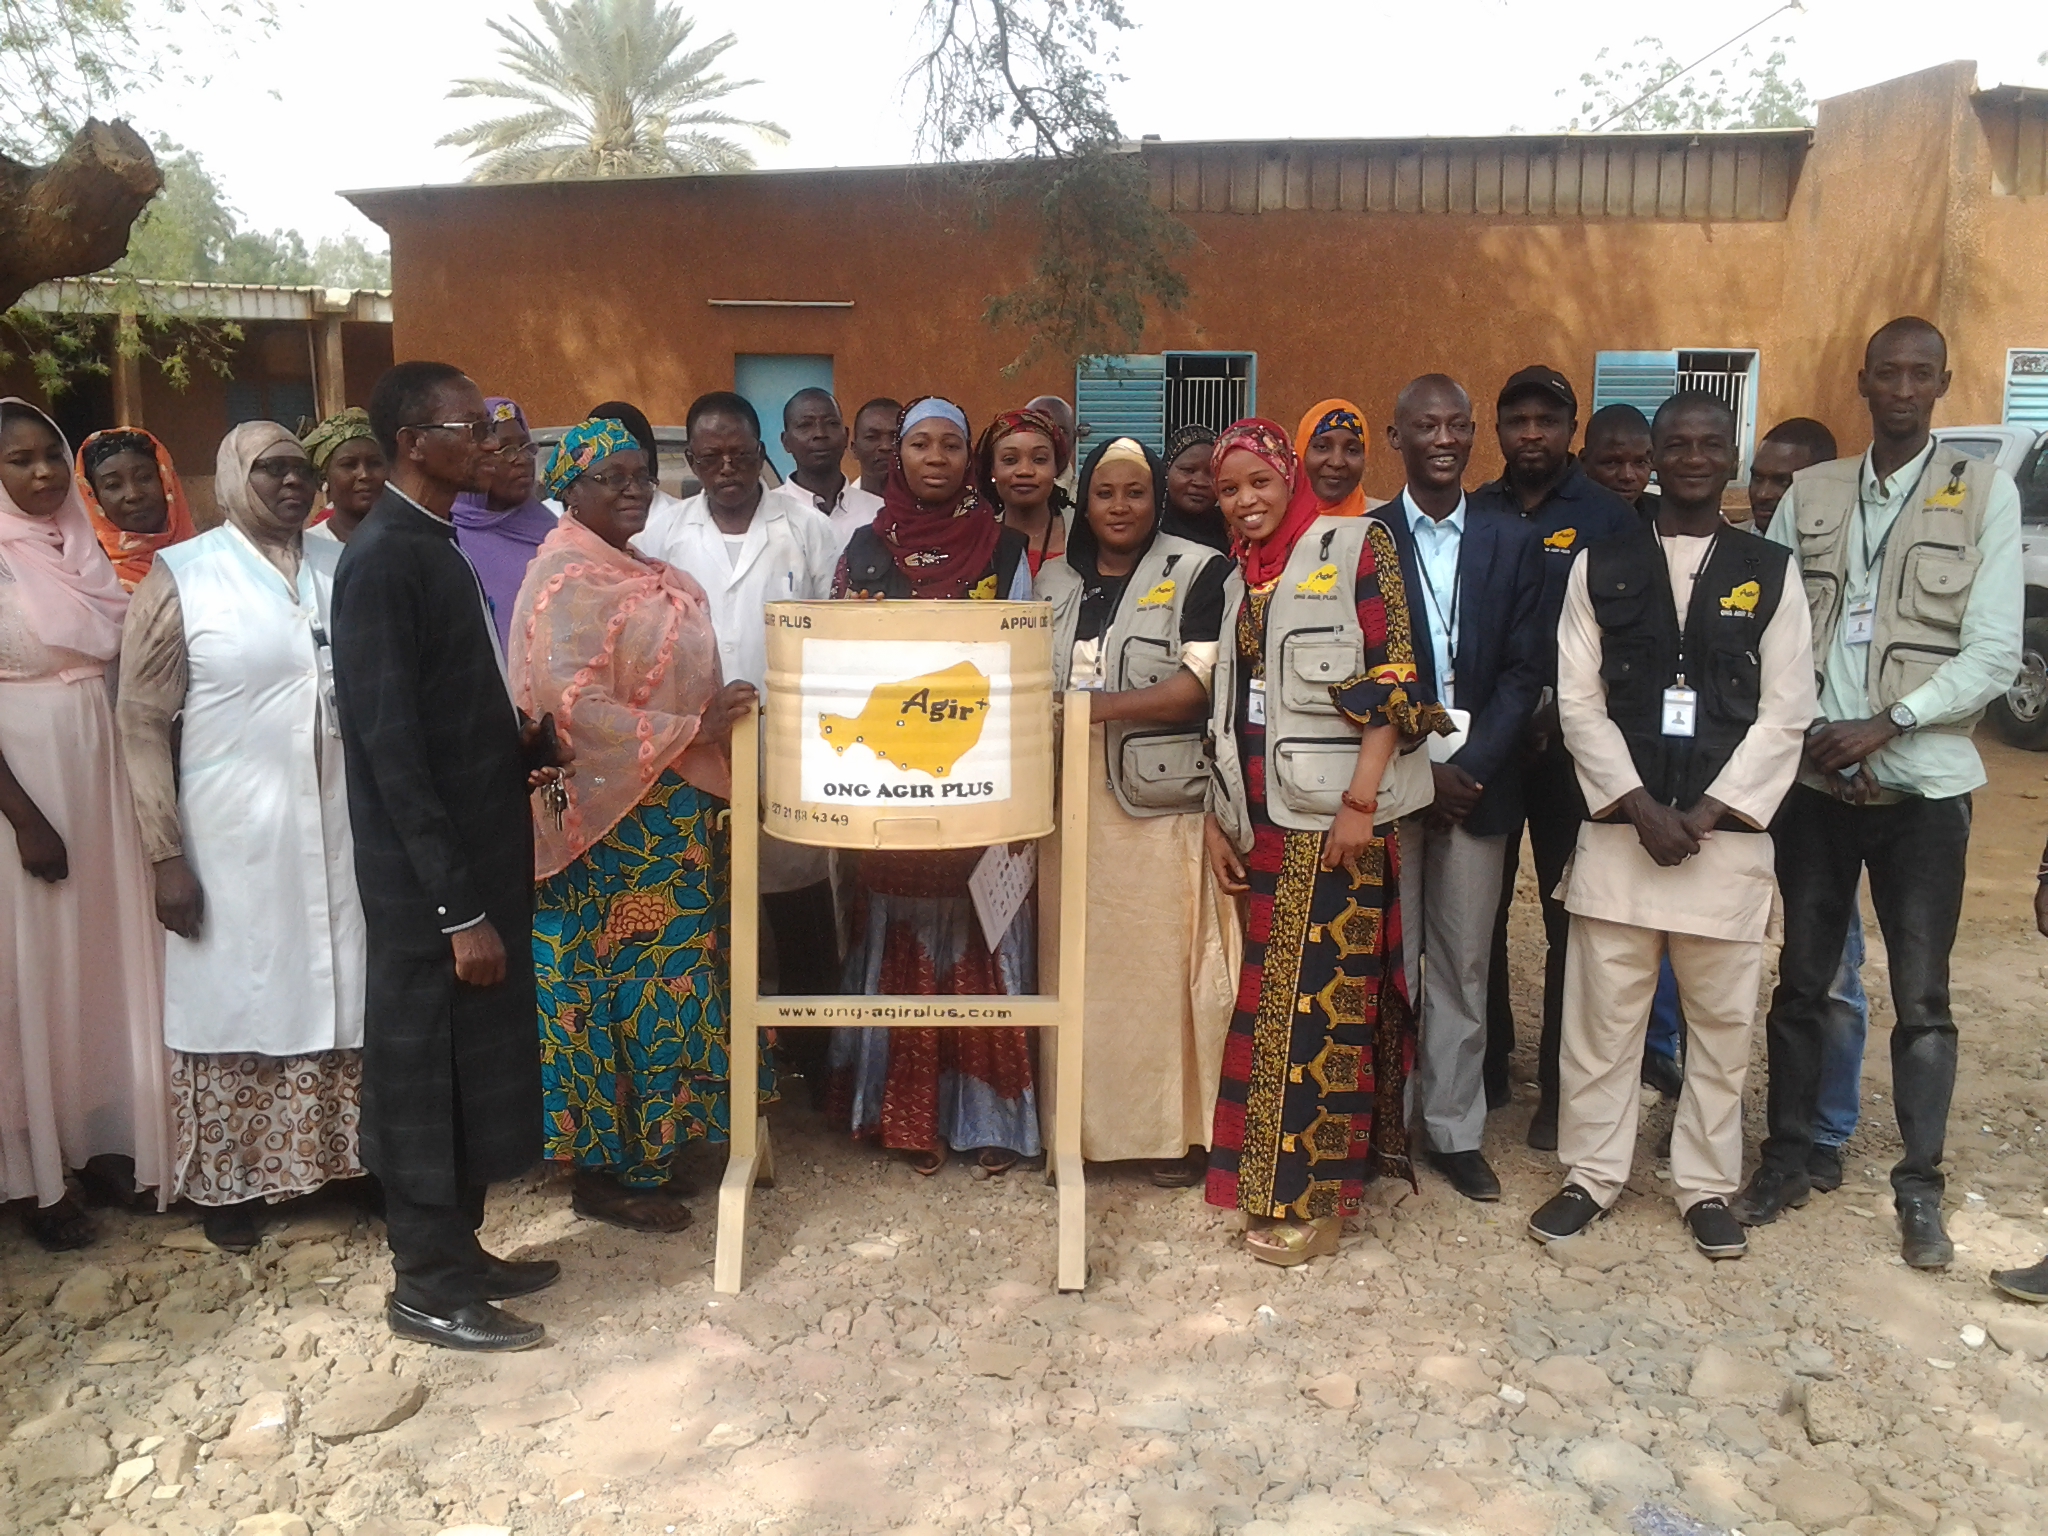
1628,668
1165,773
1736,682
1147,661
1935,587
1313,664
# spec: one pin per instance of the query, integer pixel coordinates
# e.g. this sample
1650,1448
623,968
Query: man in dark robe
440,767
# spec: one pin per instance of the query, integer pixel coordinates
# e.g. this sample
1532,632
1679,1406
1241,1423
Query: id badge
1861,622
1255,706
1681,711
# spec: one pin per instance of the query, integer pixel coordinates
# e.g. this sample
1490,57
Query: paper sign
913,724
1000,883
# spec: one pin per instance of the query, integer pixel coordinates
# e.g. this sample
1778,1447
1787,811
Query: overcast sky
354,95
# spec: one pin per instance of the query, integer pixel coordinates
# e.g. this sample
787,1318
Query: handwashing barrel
908,724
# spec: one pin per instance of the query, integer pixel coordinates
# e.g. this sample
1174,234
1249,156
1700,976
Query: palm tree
613,91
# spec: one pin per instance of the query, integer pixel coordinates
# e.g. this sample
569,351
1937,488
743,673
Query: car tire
2020,714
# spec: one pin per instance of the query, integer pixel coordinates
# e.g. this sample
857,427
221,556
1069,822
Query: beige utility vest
1924,578
1154,770
1313,644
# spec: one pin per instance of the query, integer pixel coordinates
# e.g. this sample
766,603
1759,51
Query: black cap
1538,379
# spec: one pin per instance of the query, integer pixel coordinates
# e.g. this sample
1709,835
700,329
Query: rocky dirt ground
900,1361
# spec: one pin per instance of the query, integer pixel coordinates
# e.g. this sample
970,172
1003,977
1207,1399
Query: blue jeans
1663,1037
1843,1025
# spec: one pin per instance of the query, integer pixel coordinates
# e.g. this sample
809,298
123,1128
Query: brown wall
566,294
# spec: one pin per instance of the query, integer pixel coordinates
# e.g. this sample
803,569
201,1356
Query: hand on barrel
727,708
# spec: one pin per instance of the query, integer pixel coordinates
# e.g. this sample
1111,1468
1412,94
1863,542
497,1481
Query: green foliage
64,350
63,60
190,234
1029,78
613,90
1740,93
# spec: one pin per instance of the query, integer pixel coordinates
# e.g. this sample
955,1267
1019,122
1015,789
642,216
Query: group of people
307,786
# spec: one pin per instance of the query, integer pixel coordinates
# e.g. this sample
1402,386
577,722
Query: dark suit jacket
1499,646
443,830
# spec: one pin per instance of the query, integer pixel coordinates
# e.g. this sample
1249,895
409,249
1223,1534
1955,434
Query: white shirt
1437,546
789,551
852,509
1724,890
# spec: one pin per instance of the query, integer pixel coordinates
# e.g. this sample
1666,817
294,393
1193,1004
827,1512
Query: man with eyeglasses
440,770
747,546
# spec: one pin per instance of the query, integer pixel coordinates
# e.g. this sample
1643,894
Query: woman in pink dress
81,963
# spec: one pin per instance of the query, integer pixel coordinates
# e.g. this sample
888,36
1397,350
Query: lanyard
1450,624
1712,544
1872,563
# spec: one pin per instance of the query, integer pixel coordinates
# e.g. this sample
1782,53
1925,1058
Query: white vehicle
2021,717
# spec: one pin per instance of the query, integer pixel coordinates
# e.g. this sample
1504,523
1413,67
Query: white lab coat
278,966
789,552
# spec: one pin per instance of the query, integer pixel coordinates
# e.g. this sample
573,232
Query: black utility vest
871,570
1643,652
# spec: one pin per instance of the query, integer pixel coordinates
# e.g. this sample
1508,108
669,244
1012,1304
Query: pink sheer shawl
619,650
65,583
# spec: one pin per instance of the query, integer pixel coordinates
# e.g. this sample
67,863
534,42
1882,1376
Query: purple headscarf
501,544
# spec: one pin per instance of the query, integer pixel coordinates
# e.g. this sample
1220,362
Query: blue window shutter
1120,397
244,402
1644,380
290,404
2026,388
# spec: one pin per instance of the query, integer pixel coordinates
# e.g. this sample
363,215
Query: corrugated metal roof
208,301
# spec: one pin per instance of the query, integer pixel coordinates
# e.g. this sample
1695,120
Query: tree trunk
72,216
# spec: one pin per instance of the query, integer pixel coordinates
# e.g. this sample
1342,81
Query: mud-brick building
1752,262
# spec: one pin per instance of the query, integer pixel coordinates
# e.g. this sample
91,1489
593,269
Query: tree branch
73,216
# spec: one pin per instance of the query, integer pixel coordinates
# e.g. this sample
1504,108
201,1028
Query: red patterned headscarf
1267,440
942,548
1008,424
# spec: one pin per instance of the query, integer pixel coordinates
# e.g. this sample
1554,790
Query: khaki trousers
1610,979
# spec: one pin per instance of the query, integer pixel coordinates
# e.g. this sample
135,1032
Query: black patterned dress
1323,1037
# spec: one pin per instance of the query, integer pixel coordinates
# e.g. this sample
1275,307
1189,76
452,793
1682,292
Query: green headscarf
323,441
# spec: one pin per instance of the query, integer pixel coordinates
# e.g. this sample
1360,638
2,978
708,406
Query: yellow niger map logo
923,725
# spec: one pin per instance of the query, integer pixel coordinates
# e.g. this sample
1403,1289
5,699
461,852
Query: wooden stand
1062,953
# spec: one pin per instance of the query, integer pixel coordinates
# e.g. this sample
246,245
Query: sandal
1183,1172
60,1228
928,1161
995,1161
599,1198
1291,1243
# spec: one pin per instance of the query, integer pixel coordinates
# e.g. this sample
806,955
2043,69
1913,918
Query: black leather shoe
1469,1174
1663,1073
1922,1242
478,1326
1769,1194
1565,1214
1824,1169
1543,1126
234,1228
2030,1284
506,1278
1715,1232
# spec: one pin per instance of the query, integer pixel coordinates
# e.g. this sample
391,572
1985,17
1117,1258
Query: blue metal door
768,379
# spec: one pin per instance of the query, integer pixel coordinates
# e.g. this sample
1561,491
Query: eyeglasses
516,451
279,469
615,481
742,458
479,430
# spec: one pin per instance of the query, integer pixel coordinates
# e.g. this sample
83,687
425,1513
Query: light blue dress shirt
1436,555
1933,764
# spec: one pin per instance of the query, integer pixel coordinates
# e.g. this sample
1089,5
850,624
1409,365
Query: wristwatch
1902,717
